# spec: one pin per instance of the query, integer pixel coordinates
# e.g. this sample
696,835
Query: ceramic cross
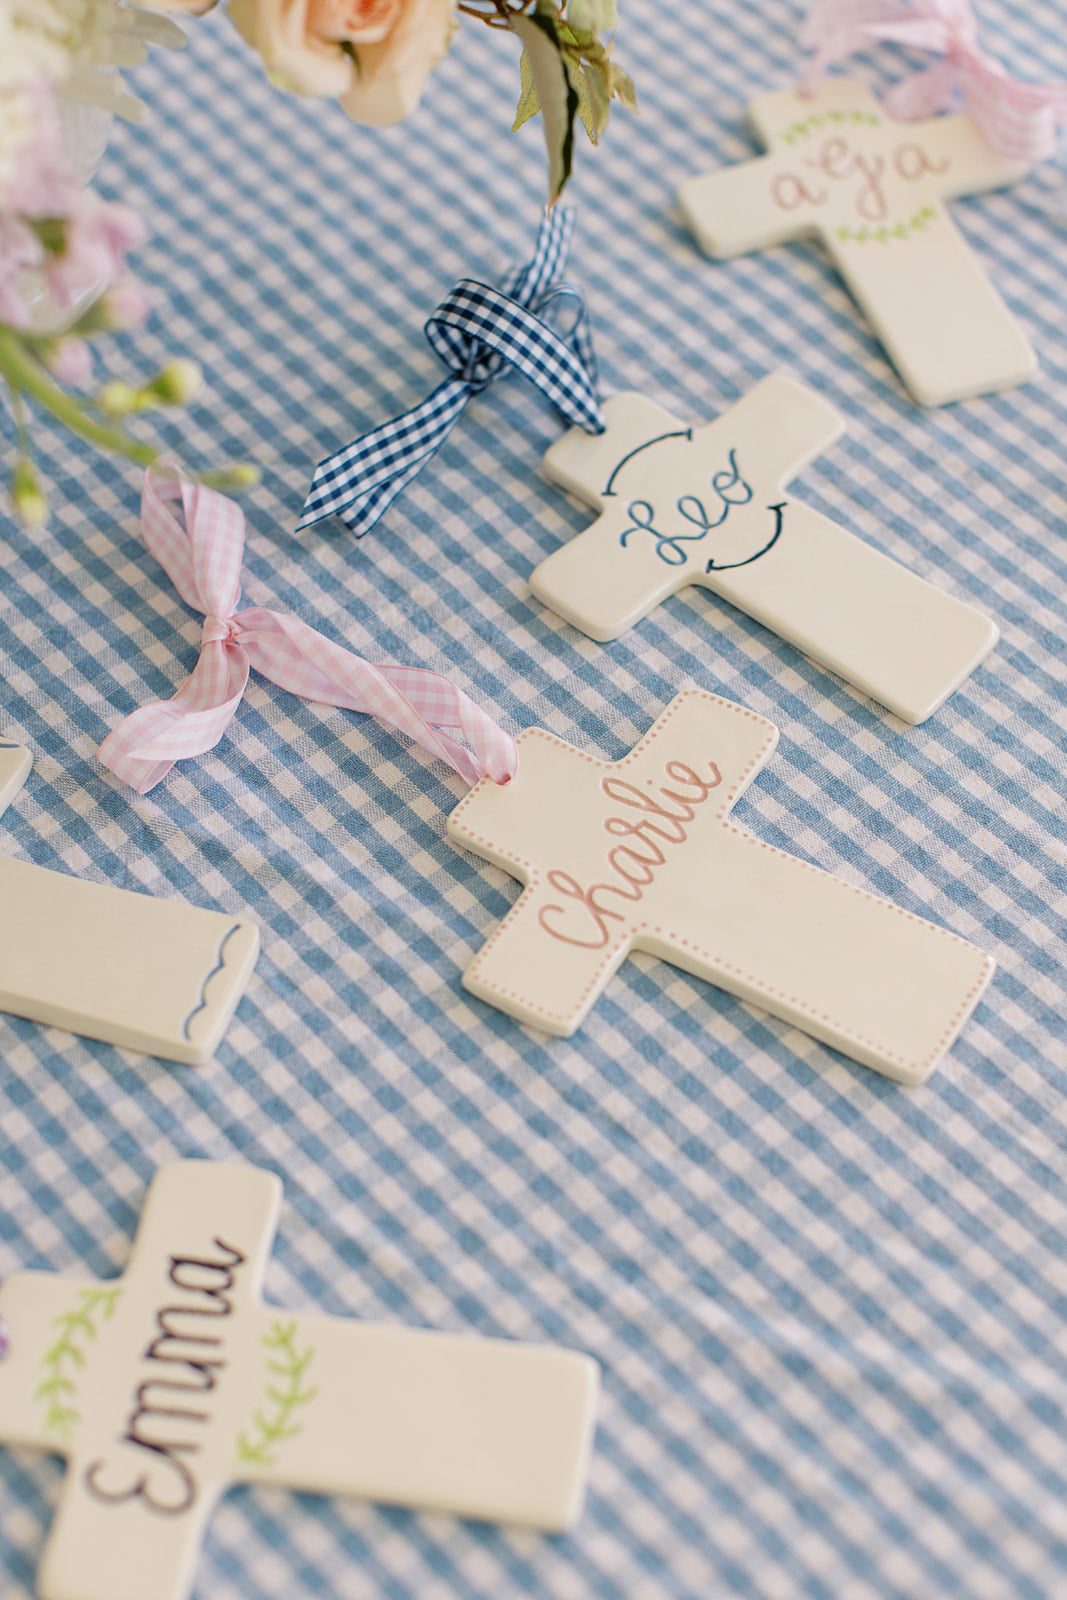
146,974
874,191
682,505
176,1380
640,854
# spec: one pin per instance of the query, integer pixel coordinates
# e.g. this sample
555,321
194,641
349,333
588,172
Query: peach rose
374,54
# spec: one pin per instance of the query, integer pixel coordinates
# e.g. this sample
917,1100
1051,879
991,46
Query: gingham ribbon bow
477,332
203,560
1018,119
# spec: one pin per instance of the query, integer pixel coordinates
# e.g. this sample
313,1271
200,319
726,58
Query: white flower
78,45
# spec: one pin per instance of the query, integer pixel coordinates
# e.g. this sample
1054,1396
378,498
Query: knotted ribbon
477,332
1018,119
203,560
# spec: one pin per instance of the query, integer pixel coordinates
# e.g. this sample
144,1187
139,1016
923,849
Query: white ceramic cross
638,854
705,506
146,974
874,191
172,1382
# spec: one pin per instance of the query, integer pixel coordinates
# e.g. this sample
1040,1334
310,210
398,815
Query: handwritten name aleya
836,163
660,826
182,1360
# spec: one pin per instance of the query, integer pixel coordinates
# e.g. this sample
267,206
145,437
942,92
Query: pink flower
374,54
98,235
53,231
20,250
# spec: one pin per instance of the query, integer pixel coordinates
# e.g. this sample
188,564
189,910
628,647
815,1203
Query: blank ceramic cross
172,1382
640,854
148,974
874,191
706,506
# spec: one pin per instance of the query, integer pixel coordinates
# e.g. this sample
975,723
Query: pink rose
374,54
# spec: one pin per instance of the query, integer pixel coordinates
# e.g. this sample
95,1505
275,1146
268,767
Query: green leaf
595,93
621,87
529,105
551,75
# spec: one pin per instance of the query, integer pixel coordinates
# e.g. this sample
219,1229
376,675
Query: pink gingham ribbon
1018,119
203,560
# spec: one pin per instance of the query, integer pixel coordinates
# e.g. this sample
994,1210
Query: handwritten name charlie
664,817
182,1360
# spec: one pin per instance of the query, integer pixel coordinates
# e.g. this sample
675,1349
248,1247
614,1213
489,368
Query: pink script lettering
667,815
838,162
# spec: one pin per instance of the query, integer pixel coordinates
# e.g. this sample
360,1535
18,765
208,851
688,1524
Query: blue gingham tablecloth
831,1313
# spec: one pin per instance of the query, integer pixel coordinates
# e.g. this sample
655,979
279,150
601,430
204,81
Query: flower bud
233,479
71,362
174,385
27,494
122,306
118,398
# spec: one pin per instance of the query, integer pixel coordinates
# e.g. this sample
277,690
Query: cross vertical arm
887,988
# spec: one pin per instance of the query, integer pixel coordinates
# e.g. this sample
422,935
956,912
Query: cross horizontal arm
487,1428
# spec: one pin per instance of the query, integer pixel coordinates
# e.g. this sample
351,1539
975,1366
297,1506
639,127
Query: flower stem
26,376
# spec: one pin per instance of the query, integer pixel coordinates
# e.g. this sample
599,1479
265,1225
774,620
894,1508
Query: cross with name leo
640,854
176,1380
874,192
680,506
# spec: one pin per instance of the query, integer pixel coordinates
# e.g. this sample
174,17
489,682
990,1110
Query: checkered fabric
477,332
831,1313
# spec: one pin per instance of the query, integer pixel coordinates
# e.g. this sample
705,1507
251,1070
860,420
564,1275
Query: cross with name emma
639,854
172,1382
873,191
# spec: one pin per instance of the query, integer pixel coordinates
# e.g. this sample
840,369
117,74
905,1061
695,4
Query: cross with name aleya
167,1385
641,854
873,191
706,505
130,969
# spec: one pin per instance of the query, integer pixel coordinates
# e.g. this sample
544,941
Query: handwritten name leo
667,817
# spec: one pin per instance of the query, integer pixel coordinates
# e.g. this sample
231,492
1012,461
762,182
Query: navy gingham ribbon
477,331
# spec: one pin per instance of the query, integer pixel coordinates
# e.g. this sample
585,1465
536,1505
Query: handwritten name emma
663,818
168,1413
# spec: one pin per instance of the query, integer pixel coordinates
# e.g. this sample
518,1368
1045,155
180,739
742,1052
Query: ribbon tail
1020,120
358,482
923,93
420,703
144,747
529,283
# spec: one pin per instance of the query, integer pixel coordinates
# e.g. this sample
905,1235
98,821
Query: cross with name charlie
640,854
176,1380
873,191
680,506
130,969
